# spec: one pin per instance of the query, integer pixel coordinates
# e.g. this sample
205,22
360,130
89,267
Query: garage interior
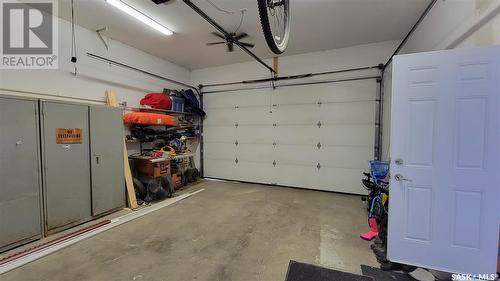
171,140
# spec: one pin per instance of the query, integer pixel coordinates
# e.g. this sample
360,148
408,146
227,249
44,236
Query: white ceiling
316,25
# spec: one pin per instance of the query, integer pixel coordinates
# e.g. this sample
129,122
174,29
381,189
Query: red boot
373,230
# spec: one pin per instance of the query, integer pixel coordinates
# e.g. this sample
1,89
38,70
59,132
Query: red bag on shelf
145,118
157,100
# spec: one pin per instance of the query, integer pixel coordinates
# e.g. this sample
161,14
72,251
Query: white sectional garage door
314,136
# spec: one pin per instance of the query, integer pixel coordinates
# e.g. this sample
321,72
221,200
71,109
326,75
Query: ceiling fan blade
249,45
219,35
215,43
240,36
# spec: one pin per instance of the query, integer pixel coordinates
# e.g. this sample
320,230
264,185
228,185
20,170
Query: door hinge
319,145
319,124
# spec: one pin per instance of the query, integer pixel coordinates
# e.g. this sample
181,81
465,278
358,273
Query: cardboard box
153,169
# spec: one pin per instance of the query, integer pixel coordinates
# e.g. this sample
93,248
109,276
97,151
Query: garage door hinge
236,143
274,143
320,103
274,163
236,161
319,124
274,124
275,105
318,166
236,125
319,145
236,106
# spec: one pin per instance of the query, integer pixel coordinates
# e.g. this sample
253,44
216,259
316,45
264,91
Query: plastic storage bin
379,169
177,104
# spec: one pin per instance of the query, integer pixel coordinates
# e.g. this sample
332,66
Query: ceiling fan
229,41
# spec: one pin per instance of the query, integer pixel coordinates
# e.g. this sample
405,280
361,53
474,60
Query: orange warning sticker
68,136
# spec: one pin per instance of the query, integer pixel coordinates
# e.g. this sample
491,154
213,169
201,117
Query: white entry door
445,170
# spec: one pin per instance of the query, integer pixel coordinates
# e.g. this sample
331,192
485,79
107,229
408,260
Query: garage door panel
219,151
341,180
348,91
217,101
298,134
233,99
223,116
297,176
347,113
253,97
219,134
222,169
255,134
303,114
305,155
253,116
255,172
255,153
348,135
297,95
337,117
345,157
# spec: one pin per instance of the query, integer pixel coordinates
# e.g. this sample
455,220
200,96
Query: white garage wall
343,58
94,77
450,24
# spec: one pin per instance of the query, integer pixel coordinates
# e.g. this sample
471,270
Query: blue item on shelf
379,169
177,104
192,103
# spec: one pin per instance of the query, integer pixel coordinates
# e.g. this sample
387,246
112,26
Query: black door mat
298,271
380,275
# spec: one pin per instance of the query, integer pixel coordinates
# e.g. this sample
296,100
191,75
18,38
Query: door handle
19,142
400,177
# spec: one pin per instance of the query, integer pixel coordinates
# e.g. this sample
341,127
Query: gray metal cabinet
20,211
106,139
66,165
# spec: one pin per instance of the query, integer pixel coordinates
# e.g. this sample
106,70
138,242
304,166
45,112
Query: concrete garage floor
230,231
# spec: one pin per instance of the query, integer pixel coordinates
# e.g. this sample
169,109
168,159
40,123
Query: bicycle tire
266,27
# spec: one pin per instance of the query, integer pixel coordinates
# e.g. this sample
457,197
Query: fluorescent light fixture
140,16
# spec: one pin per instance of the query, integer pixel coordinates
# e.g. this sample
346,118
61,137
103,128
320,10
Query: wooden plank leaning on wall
112,100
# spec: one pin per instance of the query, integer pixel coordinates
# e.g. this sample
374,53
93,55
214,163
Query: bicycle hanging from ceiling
275,21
